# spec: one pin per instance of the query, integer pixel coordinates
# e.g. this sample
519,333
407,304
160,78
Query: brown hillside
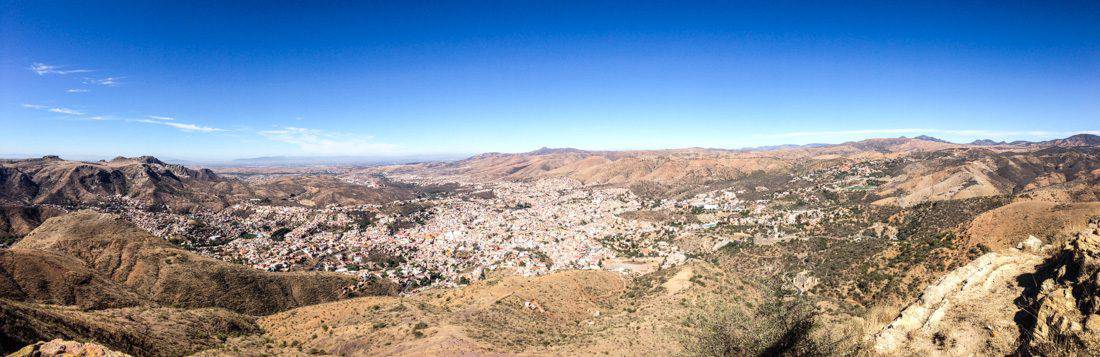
18,220
1008,225
172,276
139,331
52,347
565,313
16,186
44,277
499,314
972,173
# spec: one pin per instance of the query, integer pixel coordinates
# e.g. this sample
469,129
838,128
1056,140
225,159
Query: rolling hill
88,275
171,276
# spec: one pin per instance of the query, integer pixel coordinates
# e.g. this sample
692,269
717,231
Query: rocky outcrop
967,312
1012,302
1067,305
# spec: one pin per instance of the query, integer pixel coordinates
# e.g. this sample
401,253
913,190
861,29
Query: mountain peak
987,142
1076,140
930,138
546,151
146,159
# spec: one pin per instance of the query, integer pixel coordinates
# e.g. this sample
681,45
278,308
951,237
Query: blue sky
222,79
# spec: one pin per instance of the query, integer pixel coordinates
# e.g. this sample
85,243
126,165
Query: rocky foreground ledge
1067,305
1035,299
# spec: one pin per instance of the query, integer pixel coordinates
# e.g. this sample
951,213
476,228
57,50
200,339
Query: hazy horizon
245,80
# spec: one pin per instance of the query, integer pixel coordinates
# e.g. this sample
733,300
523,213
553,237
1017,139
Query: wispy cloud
106,81
44,69
182,126
66,111
78,114
152,119
316,141
76,90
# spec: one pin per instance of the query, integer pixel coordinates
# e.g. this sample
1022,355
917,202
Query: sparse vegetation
780,325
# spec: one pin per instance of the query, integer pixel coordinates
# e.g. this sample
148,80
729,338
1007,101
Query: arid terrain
894,246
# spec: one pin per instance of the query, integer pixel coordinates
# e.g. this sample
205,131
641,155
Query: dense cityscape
524,228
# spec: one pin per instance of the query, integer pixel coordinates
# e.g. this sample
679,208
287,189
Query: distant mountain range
1029,167
1076,140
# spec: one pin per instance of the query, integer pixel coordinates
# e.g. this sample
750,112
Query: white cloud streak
107,81
70,112
182,126
76,90
316,141
44,69
66,111
153,119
